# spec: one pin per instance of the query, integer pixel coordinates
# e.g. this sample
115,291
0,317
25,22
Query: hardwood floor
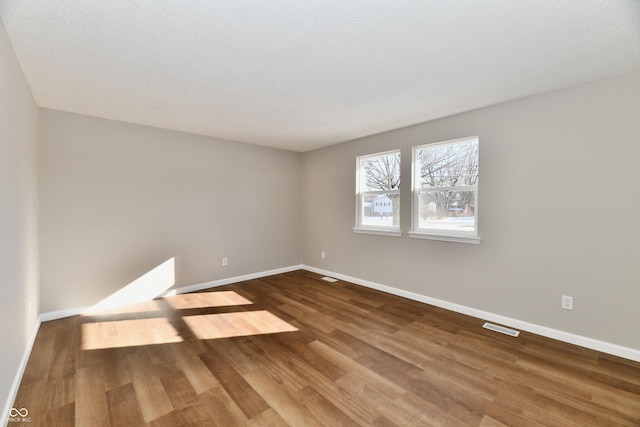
295,350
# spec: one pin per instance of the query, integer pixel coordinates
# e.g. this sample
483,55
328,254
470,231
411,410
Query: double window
444,187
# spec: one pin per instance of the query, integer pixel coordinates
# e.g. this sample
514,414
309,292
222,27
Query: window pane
381,173
447,210
382,210
448,165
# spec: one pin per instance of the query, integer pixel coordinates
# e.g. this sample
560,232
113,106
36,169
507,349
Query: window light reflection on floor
238,324
207,299
138,297
128,333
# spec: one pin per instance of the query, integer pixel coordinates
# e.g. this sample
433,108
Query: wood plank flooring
295,350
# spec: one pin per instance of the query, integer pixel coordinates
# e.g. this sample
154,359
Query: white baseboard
230,280
60,314
602,346
13,391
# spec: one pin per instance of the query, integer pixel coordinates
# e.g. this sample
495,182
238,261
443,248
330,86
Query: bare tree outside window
383,173
379,190
446,185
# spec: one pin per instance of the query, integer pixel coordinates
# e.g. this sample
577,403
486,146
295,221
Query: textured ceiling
305,74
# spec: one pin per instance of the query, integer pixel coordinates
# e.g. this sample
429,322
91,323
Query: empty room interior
329,213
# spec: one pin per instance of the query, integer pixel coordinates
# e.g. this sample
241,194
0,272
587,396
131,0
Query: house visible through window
445,191
378,193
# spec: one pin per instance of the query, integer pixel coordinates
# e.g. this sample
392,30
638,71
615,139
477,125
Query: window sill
395,233
474,240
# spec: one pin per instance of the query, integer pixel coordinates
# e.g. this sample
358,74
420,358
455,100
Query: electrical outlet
567,302
323,255
225,261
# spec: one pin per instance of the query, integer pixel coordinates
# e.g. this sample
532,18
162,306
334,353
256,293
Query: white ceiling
299,74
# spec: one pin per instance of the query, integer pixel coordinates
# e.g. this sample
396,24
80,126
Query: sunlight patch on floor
207,299
153,326
239,324
128,333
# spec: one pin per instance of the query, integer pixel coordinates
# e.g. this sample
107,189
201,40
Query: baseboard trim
582,341
230,280
13,391
594,344
60,314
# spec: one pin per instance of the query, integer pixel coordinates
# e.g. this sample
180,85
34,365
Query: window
378,194
445,191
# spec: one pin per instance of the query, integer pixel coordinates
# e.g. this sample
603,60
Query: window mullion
456,188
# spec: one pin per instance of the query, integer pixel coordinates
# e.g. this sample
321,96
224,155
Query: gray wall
559,205
117,200
18,215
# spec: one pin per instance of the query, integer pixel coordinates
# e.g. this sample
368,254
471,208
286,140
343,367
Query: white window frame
360,194
433,233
